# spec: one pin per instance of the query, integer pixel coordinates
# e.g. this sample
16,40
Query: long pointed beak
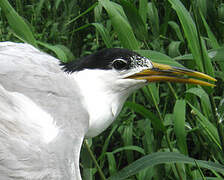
161,72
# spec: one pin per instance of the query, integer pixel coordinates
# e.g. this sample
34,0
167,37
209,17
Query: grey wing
16,150
37,76
26,70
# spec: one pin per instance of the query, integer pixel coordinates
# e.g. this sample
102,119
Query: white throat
104,95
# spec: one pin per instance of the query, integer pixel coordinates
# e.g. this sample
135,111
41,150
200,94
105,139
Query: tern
48,107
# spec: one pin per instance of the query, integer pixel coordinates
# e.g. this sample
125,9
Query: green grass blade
151,91
176,29
129,148
179,125
220,117
118,8
200,171
81,27
153,18
190,31
135,20
174,48
154,92
39,7
83,13
143,9
207,61
206,105
106,143
56,49
203,7
217,55
57,3
104,34
157,124
98,13
121,26
127,137
67,52
161,158
86,162
111,163
212,39
208,126
16,22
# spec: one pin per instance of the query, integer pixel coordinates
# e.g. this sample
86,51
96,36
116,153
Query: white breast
101,96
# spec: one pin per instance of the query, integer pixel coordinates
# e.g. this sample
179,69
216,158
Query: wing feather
37,77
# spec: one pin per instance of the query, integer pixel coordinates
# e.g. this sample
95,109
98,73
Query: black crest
101,60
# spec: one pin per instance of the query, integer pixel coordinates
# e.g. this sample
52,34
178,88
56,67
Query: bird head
107,77
129,67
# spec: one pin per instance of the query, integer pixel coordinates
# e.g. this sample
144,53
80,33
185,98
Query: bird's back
40,111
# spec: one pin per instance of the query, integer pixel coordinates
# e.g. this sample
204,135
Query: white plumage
45,112
40,131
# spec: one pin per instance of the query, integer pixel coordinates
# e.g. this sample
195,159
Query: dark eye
119,64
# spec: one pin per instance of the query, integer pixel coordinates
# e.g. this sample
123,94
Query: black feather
99,60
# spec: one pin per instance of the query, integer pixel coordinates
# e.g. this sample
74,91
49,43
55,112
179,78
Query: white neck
104,95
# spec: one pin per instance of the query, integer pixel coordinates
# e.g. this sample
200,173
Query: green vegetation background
165,131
